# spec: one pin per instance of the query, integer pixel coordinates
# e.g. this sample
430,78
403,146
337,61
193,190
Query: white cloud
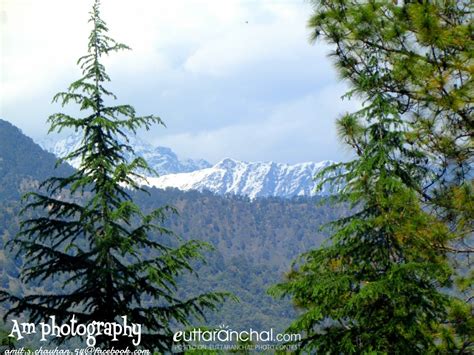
35,48
310,119
222,74
282,39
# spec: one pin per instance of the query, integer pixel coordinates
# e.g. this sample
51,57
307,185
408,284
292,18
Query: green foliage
86,230
417,55
6,342
376,287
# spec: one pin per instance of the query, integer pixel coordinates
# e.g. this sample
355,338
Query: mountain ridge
252,179
162,159
229,176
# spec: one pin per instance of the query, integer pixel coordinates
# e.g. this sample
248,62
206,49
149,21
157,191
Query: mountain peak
227,163
161,159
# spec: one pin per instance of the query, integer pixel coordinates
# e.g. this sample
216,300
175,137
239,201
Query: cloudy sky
229,78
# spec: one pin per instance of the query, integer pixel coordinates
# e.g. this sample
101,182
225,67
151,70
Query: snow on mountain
229,176
257,179
162,159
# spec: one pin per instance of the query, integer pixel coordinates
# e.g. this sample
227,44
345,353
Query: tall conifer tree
376,287
113,258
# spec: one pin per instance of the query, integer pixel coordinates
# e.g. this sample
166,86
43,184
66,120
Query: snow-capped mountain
258,179
229,176
162,159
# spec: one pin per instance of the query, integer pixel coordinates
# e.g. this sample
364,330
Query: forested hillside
22,161
254,242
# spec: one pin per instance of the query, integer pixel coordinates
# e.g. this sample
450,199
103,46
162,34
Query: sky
229,78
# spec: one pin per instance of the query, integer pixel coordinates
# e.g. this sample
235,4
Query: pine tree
114,260
374,287
417,55
377,285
